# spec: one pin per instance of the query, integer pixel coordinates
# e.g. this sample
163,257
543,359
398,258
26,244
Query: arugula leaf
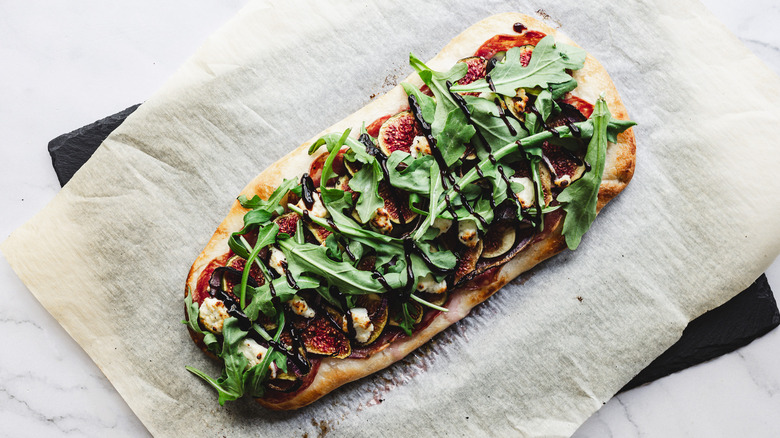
450,126
581,197
366,182
484,114
454,135
313,259
544,105
548,65
415,177
265,237
427,104
333,150
255,377
230,385
615,127
262,298
193,312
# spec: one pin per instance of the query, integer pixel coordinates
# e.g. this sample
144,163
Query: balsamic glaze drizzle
234,310
307,191
446,176
347,311
502,115
381,158
519,27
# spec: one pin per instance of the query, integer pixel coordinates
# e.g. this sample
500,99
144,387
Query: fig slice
319,232
396,203
525,54
315,169
468,261
377,308
477,69
564,166
397,133
499,239
288,223
320,336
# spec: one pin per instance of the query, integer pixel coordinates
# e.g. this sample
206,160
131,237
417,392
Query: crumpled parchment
108,257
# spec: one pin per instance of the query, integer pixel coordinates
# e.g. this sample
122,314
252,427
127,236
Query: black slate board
744,318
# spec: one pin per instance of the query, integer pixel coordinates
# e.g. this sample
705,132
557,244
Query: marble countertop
66,64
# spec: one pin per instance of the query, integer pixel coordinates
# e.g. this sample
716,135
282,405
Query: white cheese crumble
277,260
428,284
419,147
300,307
442,224
525,196
254,352
467,232
362,324
381,221
317,209
212,314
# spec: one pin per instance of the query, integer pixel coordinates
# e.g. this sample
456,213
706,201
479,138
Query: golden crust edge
619,169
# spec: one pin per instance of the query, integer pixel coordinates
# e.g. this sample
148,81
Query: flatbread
593,80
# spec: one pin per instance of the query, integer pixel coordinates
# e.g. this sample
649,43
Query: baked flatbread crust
619,168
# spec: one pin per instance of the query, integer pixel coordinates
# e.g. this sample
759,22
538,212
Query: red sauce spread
582,105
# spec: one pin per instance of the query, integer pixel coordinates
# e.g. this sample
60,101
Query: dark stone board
744,318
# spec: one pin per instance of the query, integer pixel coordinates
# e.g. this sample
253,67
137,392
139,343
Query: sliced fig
516,105
377,308
320,336
525,54
477,69
468,261
564,166
397,133
435,299
415,311
288,223
396,203
546,177
238,263
315,169
523,238
353,166
320,233
499,239
373,128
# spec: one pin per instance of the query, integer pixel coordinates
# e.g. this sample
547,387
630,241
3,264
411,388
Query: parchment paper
109,255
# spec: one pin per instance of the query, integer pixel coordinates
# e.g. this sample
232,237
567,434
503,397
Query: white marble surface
65,64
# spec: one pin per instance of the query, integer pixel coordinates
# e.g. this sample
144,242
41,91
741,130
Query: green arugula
581,197
313,259
193,312
262,297
415,176
265,237
484,114
230,385
548,65
450,126
262,211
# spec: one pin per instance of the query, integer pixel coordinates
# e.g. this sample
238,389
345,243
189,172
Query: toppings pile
369,245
